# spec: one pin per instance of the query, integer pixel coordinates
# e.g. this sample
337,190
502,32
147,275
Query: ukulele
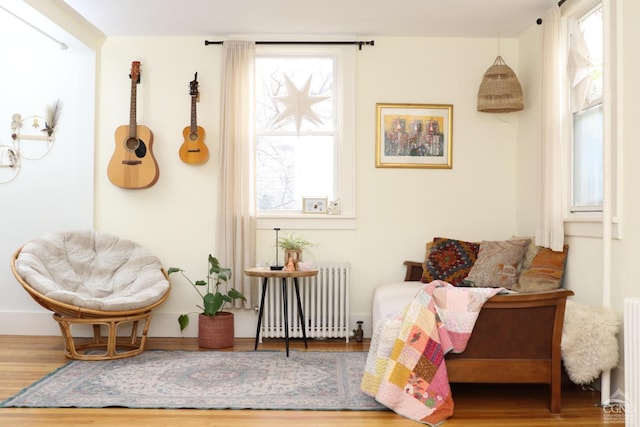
132,164
193,150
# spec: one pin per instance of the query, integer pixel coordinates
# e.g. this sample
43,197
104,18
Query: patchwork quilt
405,368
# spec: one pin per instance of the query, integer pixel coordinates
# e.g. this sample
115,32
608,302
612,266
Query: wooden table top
266,272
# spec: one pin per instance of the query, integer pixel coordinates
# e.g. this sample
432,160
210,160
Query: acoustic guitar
193,150
132,164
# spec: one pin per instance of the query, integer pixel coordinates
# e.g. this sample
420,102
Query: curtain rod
560,3
62,45
359,43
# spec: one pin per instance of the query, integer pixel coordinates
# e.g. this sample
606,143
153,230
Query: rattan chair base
109,346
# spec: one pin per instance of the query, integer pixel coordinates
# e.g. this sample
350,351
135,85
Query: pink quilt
405,368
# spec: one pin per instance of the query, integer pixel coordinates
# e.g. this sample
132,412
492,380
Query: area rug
206,380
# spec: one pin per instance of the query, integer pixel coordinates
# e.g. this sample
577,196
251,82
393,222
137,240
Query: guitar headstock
193,91
135,71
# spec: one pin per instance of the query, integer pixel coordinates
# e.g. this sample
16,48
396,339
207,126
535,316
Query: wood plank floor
26,359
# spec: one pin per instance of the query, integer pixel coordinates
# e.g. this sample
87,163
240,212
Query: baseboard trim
162,325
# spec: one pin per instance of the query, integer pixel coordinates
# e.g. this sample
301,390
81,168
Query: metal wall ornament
9,164
32,139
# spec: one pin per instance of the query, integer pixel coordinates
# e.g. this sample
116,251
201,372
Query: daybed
516,338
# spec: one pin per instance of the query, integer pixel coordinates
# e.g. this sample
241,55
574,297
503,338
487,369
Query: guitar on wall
132,164
193,150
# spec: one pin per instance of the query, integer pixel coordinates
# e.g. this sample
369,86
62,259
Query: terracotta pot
294,254
216,331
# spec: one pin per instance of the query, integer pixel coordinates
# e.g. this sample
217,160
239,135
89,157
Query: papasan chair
87,277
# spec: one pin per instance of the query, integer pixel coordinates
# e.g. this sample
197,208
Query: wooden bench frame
516,339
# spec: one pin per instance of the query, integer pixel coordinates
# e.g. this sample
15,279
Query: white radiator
632,361
324,300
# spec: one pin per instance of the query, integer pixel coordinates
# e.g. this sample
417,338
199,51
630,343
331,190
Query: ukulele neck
194,122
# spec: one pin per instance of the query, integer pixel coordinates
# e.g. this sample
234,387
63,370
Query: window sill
307,222
589,226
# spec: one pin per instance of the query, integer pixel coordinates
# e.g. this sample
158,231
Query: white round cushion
90,269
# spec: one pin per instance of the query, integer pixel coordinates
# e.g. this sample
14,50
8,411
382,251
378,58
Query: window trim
345,160
579,223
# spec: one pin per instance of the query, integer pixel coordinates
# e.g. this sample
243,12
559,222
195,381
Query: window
585,67
304,128
593,180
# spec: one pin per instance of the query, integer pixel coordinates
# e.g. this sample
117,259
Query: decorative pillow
498,264
531,251
449,260
546,272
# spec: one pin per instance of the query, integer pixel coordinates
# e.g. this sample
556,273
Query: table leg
260,312
300,313
286,314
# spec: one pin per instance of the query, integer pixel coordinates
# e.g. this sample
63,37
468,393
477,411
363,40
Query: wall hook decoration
32,138
9,164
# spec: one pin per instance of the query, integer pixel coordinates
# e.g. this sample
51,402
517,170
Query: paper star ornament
297,104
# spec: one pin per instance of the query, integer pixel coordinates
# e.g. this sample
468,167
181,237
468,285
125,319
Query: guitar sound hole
137,146
132,143
193,136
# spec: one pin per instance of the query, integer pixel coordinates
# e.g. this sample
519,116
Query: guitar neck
194,122
132,111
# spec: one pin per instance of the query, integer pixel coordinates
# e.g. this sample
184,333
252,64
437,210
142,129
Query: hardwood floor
26,359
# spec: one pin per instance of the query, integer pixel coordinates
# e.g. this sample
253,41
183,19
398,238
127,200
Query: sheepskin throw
589,344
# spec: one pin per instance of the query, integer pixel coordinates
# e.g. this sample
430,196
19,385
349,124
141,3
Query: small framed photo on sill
314,205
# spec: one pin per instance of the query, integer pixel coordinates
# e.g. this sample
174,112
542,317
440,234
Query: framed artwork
314,205
414,135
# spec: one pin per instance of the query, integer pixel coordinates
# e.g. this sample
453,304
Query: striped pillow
546,272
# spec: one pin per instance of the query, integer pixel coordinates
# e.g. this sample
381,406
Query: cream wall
626,252
398,210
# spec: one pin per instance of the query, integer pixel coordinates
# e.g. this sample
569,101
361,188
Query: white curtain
550,232
236,226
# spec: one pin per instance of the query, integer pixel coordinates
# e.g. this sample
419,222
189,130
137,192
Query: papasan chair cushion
93,270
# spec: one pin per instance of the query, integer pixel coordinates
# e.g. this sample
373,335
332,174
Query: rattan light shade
500,90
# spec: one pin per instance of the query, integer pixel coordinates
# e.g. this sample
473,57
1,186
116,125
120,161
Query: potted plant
215,327
293,247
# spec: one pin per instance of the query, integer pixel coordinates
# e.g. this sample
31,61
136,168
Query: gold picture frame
414,135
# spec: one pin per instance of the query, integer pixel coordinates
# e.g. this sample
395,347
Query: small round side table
266,273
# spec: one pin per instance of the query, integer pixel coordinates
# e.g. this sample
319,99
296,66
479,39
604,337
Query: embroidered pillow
449,260
546,272
498,264
531,251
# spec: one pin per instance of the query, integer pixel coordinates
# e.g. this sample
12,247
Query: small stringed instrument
132,164
193,150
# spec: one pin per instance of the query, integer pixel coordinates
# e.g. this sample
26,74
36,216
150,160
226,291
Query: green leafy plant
212,299
292,242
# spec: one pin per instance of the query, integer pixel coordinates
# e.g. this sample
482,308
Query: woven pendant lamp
500,90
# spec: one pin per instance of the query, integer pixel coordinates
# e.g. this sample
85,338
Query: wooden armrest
413,272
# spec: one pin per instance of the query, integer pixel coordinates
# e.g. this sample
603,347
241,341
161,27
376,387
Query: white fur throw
589,343
94,270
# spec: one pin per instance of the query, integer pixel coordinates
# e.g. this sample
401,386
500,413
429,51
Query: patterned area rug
206,380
